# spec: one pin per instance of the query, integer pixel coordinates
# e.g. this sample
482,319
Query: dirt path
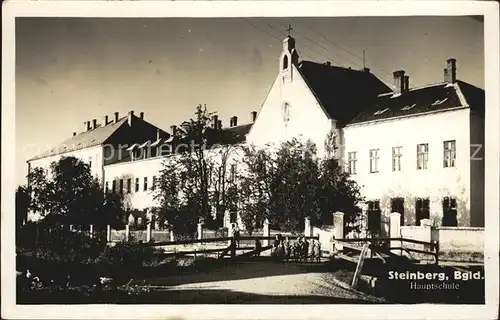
258,282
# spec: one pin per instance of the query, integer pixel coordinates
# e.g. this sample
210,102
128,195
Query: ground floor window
422,209
397,205
233,216
449,212
374,216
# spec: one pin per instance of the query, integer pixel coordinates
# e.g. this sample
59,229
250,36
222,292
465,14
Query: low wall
460,239
325,235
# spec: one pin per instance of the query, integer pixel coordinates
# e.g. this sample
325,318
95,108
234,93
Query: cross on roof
289,29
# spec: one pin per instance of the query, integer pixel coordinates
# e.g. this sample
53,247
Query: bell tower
288,57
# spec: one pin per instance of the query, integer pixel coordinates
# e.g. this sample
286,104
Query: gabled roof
342,92
432,98
84,140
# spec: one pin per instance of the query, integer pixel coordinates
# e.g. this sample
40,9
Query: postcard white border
490,10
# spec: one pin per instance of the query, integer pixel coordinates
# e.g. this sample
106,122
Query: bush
130,254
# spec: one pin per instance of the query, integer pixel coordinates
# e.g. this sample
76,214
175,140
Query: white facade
305,118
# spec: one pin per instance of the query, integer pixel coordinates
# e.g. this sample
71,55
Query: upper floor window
397,153
449,212
136,184
113,186
422,156
129,185
121,185
285,62
449,155
90,162
286,112
374,157
154,183
351,158
145,183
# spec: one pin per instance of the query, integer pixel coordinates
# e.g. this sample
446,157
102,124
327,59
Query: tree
22,205
71,195
291,183
193,177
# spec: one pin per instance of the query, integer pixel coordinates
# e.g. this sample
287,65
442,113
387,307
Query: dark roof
83,140
342,92
432,98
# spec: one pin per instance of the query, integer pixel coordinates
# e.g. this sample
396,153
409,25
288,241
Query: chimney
233,122
214,121
173,129
328,63
74,134
116,117
141,115
157,134
399,81
106,120
366,69
406,83
450,73
254,115
87,125
130,115
219,124
94,123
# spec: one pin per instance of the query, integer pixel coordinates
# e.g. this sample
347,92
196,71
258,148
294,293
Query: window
136,184
449,155
438,102
286,112
351,159
154,183
449,212
107,186
422,156
396,158
374,156
90,162
129,185
421,209
374,216
113,186
285,62
397,205
408,107
145,183
380,111
121,185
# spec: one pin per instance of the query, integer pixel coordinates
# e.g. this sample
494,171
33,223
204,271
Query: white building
413,150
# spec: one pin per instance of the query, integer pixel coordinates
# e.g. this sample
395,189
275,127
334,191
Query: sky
71,70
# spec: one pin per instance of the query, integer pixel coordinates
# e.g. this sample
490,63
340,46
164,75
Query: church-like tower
288,57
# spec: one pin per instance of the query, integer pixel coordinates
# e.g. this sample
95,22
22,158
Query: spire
289,29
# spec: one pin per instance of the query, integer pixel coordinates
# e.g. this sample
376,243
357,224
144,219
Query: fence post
227,219
230,233
172,236
91,231
149,232
394,229
108,233
266,232
127,232
308,229
200,230
338,232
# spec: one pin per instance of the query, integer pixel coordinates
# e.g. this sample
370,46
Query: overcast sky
70,70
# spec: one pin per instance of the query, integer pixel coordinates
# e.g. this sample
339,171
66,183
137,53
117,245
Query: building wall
435,182
93,154
140,169
477,151
307,118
